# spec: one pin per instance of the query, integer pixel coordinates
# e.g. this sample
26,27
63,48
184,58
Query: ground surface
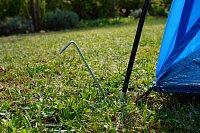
41,90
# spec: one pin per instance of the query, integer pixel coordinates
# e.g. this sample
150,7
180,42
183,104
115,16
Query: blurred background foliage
37,15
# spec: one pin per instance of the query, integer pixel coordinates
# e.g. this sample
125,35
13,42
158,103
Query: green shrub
158,8
100,22
135,13
93,9
106,22
15,25
125,6
59,20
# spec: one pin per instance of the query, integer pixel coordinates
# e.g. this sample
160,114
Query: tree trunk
32,6
114,8
35,15
38,16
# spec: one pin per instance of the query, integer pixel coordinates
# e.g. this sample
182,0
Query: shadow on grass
163,113
150,21
175,113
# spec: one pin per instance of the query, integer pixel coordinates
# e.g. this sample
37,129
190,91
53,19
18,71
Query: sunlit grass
42,90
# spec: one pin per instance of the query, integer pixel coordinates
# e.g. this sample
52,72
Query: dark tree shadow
175,113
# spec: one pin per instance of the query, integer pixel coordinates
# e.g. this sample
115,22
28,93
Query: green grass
43,91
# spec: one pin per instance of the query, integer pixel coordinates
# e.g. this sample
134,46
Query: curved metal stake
86,64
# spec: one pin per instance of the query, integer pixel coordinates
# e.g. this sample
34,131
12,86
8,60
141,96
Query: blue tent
178,68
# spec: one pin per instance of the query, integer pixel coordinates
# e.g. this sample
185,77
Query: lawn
42,91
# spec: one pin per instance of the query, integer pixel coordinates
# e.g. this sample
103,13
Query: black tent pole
135,46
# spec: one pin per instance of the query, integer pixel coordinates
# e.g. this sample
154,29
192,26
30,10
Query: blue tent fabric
178,69
183,76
